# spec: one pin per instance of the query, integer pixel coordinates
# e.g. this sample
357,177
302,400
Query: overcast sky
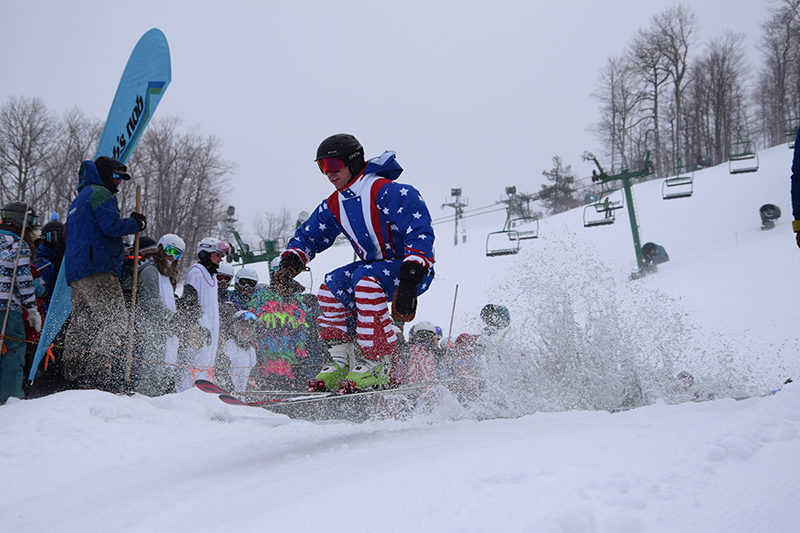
477,95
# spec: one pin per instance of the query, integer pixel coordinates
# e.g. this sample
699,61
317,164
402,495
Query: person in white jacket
200,297
156,344
241,349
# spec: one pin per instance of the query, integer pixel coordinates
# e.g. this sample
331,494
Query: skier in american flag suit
389,227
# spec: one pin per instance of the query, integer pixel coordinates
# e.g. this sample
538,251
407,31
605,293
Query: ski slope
544,454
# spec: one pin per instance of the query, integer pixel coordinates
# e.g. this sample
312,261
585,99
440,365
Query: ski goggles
52,236
224,278
425,336
221,248
247,282
120,174
330,164
173,252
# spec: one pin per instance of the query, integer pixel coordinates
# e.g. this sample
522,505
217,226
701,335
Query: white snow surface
542,453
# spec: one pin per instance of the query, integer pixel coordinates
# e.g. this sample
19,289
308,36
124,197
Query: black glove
404,302
141,219
283,280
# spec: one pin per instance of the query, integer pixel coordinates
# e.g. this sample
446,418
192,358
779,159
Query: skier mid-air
389,227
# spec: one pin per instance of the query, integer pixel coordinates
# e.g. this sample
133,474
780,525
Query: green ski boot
335,371
369,374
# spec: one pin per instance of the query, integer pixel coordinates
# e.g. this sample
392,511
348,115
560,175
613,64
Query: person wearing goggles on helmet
155,344
390,229
94,268
199,313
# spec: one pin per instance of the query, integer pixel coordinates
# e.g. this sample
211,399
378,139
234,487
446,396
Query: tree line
183,175
668,94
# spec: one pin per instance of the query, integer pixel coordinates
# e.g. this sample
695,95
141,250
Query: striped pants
355,306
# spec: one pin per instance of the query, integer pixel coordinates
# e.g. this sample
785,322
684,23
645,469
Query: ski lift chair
743,157
679,186
505,242
791,130
526,227
607,203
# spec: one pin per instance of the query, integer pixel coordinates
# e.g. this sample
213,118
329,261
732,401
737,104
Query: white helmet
422,326
210,244
170,239
246,273
275,265
226,269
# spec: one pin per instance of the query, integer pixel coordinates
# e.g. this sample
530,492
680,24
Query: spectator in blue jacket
48,258
93,268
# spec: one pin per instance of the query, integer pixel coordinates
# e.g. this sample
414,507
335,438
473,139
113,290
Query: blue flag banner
143,82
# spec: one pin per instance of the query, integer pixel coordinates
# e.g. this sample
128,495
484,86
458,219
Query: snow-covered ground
542,453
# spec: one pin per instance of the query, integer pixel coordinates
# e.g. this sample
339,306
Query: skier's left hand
798,238
404,301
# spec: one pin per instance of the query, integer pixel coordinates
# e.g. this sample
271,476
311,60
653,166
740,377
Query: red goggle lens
330,164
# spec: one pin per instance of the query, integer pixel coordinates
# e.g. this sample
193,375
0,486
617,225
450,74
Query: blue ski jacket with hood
94,229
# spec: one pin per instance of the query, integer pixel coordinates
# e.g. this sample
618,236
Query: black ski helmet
51,232
14,212
345,147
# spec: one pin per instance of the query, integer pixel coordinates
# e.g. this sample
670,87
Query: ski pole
13,280
135,279
452,315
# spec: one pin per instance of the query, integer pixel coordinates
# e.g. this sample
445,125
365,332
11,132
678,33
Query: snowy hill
543,454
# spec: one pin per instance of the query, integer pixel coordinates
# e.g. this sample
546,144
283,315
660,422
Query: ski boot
367,374
335,371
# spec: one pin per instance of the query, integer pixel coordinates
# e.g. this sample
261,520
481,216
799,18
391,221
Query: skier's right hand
141,219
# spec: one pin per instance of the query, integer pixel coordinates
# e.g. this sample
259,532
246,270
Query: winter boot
333,372
369,373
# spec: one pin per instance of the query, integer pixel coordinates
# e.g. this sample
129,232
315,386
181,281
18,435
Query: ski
309,397
212,388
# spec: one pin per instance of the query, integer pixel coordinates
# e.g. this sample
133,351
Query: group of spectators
238,328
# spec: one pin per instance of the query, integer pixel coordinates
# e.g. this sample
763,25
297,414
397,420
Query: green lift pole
625,177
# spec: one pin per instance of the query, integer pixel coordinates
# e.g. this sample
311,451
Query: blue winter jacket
94,229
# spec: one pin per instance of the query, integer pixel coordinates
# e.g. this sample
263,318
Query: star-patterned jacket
382,219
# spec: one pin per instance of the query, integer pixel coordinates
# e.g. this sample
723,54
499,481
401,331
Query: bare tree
78,136
676,27
620,98
184,181
27,139
648,60
777,90
726,75
275,227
